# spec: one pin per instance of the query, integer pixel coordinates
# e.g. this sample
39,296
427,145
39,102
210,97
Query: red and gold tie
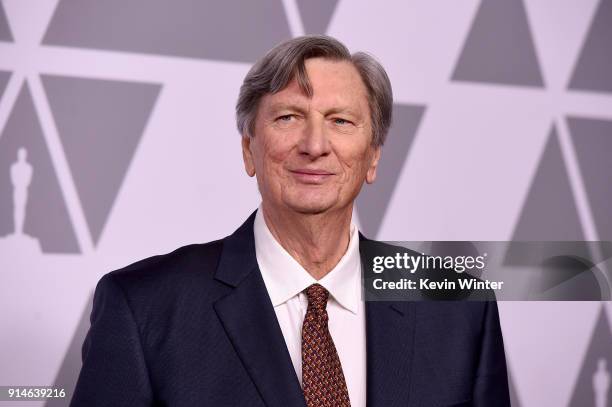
322,377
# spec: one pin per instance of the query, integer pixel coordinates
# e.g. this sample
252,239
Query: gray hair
286,61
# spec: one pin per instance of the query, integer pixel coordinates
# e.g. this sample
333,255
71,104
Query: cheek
355,161
272,153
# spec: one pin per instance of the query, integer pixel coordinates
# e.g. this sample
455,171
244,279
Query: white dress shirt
285,280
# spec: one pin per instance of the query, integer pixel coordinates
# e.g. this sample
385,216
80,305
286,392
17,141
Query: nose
314,141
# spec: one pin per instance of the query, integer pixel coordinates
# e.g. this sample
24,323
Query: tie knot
317,296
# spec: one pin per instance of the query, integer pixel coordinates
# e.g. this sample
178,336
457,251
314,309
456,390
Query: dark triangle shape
5,29
499,48
316,14
4,78
549,212
230,30
593,143
598,354
46,215
100,124
68,372
374,198
593,71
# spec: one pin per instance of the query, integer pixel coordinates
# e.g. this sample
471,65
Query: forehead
335,84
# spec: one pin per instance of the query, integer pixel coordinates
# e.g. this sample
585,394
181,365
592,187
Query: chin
308,205
311,202
311,208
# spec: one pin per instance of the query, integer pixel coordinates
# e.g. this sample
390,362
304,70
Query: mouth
311,176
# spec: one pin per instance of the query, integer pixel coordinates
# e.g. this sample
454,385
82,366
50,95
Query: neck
316,241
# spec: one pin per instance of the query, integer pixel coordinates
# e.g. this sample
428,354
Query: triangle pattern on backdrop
68,372
594,385
499,47
100,124
549,212
229,30
316,14
5,29
373,200
592,139
593,71
4,78
46,215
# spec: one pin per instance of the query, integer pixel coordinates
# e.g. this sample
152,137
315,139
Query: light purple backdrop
503,129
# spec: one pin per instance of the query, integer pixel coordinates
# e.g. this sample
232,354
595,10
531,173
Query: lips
312,172
311,176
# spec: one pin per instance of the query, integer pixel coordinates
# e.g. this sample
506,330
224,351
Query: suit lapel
390,332
248,317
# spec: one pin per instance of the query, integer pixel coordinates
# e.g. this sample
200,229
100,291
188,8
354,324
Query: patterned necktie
322,378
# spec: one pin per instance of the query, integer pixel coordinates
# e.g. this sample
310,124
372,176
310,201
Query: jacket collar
238,257
249,320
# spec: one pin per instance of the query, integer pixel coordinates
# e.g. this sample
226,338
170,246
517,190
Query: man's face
312,155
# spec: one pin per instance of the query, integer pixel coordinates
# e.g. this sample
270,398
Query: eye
340,121
285,118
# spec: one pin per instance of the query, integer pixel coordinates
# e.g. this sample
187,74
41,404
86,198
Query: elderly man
272,315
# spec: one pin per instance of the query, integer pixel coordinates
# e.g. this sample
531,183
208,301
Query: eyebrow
287,106
300,108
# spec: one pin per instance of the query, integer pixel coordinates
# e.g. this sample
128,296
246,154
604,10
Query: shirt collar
285,277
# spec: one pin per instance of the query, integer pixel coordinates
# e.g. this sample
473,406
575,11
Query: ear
247,156
371,174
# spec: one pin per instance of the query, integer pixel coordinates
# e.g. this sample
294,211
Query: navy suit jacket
196,327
